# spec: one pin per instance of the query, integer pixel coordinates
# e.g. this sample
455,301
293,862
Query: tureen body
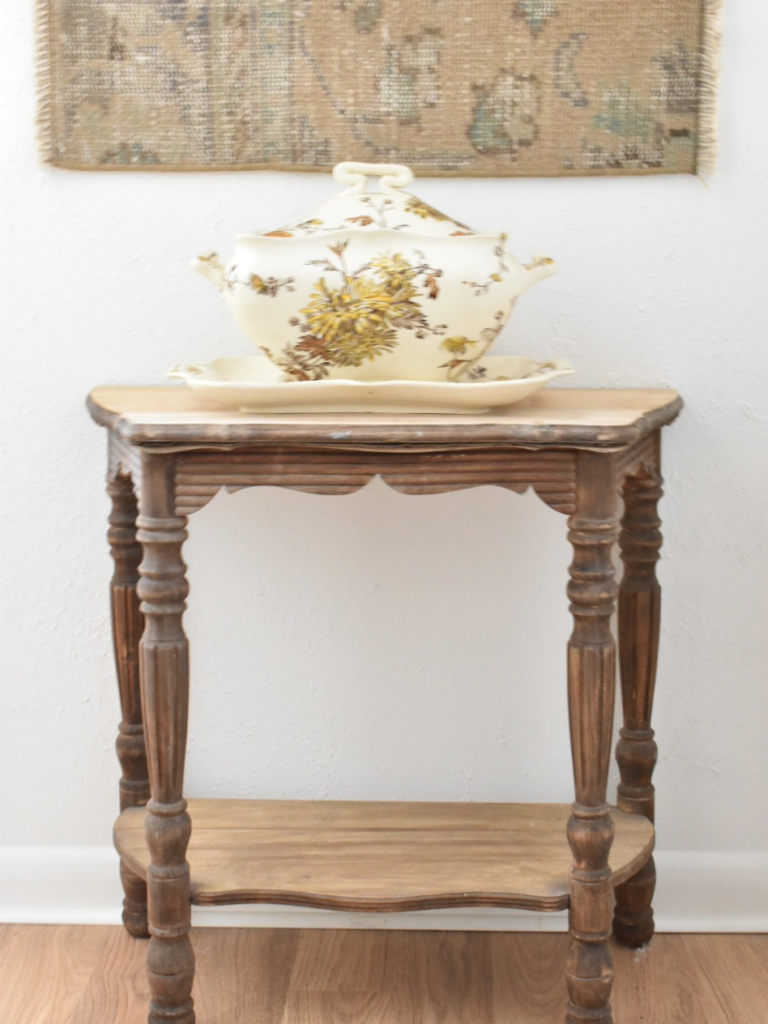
376,285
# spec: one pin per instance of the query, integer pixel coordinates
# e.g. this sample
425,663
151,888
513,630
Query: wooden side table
169,453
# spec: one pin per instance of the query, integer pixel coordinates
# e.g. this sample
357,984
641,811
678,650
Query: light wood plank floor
64,974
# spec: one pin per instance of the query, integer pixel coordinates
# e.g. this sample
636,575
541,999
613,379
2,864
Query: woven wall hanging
461,87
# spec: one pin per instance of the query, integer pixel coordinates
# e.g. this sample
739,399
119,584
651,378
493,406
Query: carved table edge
174,437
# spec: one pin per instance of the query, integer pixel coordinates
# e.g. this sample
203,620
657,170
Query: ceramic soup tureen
375,285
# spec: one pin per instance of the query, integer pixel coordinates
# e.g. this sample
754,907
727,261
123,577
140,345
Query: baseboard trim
697,892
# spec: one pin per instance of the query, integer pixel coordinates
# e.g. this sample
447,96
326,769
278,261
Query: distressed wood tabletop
573,417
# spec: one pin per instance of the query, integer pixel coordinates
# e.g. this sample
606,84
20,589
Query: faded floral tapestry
463,87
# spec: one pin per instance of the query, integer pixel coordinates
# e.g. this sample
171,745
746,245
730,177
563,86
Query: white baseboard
697,892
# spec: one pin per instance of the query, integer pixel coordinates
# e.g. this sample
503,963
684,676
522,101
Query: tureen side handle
539,268
183,371
211,268
393,177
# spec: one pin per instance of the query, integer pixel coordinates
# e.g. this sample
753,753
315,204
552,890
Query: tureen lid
361,208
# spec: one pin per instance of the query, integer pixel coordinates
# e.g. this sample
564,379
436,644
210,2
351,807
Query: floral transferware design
465,354
355,317
229,277
496,276
424,210
498,87
375,211
374,285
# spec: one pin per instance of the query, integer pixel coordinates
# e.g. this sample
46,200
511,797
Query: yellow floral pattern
355,315
424,210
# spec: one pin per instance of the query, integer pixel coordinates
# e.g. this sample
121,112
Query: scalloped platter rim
254,384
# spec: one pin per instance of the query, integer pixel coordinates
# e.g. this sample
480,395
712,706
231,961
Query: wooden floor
64,974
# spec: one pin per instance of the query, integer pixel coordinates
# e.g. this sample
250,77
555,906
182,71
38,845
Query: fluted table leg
639,618
591,692
127,626
165,696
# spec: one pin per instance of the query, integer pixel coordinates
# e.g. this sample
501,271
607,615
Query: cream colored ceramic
373,286
254,384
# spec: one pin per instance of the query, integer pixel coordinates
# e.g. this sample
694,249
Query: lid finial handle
393,176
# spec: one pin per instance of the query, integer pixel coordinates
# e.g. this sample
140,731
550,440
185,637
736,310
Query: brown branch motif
465,352
497,276
260,285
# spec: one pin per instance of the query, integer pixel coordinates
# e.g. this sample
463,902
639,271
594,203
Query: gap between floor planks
73,974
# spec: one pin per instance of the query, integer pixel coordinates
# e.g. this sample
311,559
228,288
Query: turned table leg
639,618
591,693
127,626
165,696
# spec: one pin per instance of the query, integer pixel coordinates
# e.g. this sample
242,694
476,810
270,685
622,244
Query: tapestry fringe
43,65
709,87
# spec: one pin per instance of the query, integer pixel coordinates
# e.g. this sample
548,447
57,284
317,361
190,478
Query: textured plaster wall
379,645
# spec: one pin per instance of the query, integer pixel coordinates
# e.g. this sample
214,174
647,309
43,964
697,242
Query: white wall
378,645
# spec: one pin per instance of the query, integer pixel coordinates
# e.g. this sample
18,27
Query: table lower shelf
366,856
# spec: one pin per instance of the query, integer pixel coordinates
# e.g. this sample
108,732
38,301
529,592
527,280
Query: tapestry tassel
709,82
43,79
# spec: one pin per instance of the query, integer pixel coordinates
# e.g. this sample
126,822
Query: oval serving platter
254,384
